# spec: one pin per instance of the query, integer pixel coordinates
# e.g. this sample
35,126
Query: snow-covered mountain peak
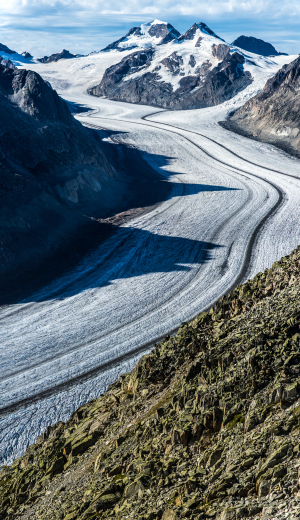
206,30
147,35
197,31
163,31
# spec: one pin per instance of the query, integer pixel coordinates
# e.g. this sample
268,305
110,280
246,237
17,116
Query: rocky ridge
26,55
272,116
193,71
257,46
63,55
206,426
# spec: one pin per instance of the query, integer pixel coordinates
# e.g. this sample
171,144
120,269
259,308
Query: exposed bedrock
54,175
206,87
273,116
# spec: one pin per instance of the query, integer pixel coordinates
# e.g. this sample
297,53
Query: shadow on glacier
129,253
104,251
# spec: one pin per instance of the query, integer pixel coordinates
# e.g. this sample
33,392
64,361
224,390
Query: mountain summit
145,36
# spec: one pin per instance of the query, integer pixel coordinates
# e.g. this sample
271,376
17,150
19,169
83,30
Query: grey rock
190,34
220,51
114,45
167,33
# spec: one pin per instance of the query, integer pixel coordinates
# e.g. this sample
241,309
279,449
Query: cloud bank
44,26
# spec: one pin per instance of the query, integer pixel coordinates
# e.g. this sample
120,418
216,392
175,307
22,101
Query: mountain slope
257,46
195,71
6,50
206,426
273,115
53,172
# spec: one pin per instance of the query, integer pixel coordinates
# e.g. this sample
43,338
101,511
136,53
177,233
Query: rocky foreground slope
54,175
273,116
206,426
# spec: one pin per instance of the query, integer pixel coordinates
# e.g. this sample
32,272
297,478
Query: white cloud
271,8
45,26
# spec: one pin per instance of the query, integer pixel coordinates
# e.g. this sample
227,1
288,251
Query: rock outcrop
273,115
257,46
196,71
63,55
26,55
206,426
7,63
54,174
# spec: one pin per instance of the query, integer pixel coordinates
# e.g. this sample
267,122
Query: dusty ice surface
225,220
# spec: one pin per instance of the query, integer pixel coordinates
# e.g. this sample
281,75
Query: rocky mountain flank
54,175
273,115
257,46
206,426
194,71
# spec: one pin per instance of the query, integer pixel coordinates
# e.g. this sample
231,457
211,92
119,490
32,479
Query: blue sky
81,26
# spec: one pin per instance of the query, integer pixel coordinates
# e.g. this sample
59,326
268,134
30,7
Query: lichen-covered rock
206,426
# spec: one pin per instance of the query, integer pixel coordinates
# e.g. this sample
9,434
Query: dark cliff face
63,55
257,46
52,170
273,116
206,87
